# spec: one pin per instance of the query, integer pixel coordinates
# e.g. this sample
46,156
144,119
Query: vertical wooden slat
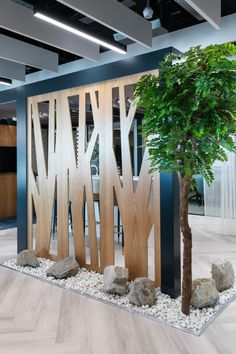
64,151
92,226
42,213
41,188
62,214
106,176
89,187
77,188
75,183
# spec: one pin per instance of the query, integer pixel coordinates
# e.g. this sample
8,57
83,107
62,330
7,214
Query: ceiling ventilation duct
188,8
23,3
88,20
128,3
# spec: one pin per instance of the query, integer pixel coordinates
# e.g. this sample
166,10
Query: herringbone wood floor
36,317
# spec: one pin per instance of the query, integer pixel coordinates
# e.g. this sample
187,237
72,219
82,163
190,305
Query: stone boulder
142,292
27,258
204,293
223,274
67,267
115,280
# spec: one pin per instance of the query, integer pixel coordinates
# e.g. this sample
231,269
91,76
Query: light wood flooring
36,317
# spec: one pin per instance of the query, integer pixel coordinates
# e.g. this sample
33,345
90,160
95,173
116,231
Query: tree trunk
185,182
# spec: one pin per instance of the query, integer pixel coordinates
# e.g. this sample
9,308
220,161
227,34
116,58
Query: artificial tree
188,124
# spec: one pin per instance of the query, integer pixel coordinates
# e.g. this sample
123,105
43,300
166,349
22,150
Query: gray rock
27,258
115,280
142,292
223,274
204,293
67,267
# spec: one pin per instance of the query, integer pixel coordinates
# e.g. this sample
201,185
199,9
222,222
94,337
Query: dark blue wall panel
21,170
170,234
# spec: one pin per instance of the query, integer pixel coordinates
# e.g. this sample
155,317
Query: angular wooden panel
137,197
42,186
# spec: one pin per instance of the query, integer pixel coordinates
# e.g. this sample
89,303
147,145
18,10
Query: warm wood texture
7,180
7,135
38,318
7,194
42,192
138,204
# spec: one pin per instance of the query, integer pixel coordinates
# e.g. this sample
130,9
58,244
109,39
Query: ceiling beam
116,16
11,70
27,54
209,11
20,19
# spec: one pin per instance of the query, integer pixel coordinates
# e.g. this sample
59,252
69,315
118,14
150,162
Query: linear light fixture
4,81
78,32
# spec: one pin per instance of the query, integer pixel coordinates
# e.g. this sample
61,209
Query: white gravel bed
166,309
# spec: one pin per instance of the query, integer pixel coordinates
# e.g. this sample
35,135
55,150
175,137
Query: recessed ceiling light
4,81
78,32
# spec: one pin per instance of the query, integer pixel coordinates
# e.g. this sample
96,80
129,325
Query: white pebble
165,308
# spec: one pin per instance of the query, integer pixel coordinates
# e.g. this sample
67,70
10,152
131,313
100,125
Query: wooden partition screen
65,174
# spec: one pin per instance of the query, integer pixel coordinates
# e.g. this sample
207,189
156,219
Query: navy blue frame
170,230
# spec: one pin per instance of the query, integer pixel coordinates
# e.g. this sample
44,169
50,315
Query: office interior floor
195,209
8,223
36,317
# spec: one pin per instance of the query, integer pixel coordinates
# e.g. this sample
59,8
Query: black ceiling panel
172,16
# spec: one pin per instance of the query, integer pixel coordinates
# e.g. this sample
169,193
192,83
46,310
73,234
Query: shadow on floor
8,223
195,209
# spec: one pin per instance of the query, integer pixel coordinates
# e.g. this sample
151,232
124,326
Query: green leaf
190,110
